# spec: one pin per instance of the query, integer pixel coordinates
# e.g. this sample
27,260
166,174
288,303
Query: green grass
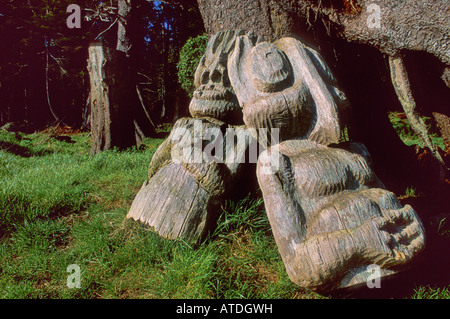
407,134
59,206
410,191
426,292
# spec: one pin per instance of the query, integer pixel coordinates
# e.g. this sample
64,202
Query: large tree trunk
403,25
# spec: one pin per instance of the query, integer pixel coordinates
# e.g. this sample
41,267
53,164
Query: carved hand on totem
393,239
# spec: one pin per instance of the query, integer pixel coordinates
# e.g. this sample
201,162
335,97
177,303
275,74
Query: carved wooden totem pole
330,215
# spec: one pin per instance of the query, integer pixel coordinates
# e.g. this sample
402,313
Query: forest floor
61,207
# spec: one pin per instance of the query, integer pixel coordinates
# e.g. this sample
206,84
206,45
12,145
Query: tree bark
404,25
99,100
114,99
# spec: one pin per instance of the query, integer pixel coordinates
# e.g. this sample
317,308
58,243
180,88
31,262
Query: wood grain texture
182,196
295,97
332,219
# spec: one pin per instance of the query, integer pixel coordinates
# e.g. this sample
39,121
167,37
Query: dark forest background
43,63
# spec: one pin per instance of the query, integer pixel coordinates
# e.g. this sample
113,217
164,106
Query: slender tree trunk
113,96
164,65
47,90
99,100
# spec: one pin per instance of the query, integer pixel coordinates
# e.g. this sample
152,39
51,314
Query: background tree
112,71
171,24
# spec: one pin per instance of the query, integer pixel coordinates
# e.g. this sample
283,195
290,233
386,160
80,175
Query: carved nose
215,73
216,76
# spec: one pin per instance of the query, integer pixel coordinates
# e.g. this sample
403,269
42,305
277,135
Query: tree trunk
266,18
112,105
113,96
99,99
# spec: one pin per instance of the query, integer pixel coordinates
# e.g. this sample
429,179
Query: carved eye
199,71
270,69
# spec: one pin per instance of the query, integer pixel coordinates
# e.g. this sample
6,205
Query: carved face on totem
284,85
280,85
214,97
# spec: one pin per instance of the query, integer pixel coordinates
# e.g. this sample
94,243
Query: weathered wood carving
214,97
330,215
194,169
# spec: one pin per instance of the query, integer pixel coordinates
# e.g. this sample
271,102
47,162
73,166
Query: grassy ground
59,206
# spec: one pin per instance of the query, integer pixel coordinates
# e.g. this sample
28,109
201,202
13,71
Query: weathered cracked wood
183,194
165,203
332,219
330,215
280,86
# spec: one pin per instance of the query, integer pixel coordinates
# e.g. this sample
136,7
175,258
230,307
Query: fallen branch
110,26
143,106
46,82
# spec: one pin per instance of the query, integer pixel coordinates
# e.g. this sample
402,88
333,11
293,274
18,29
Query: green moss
190,55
